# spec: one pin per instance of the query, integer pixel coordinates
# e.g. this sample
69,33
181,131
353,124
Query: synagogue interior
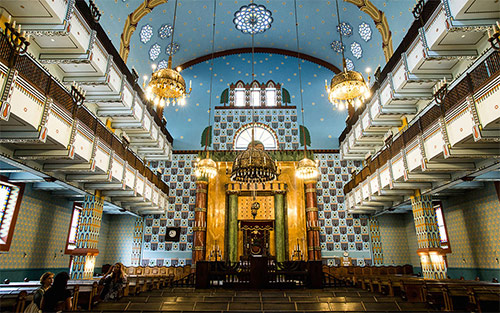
249,156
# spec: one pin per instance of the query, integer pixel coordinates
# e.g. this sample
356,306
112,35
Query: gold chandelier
254,165
167,86
206,168
307,169
347,88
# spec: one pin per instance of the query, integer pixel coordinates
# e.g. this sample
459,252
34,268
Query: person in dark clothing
113,282
57,298
46,281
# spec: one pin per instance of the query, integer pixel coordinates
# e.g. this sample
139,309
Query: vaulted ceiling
373,29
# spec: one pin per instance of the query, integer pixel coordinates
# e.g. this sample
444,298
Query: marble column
200,221
233,227
279,216
312,222
432,256
89,225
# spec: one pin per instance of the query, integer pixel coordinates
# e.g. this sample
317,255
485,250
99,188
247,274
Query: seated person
46,281
113,282
57,298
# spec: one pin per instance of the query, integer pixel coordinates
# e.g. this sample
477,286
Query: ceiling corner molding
131,24
381,23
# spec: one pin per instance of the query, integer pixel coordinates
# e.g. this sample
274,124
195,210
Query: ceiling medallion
253,19
254,165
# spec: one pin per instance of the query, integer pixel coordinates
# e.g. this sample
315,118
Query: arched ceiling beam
381,23
303,56
131,24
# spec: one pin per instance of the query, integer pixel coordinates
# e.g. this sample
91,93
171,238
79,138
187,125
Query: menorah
440,91
17,40
494,38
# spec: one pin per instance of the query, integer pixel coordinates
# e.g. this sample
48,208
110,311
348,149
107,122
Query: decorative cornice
131,24
381,23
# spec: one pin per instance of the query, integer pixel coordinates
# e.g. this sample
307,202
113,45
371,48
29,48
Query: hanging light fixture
207,168
347,88
254,165
307,168
167,86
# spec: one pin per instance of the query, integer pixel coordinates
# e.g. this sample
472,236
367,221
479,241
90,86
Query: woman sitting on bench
113,283
57,298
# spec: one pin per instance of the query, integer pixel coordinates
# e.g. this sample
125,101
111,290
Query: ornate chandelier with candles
347,88
206,168
167,86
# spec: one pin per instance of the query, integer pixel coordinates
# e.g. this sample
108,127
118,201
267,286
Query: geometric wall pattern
282,121
119,239
179,174
378,255
137,244
426,226
340,230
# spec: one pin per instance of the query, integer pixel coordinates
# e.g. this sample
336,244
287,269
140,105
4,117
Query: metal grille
60,95
5,49
493,63
397,145
456,95
118,147
430,117
412,132
86,118
30,71
365,172
103,133
383,157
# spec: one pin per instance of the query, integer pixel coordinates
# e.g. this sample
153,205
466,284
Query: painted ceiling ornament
356,50
154,52
365,31
349,64
345,29
146,33
165,31
163,64
337,46
172,48
253,19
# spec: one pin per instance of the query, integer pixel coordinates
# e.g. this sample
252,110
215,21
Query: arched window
261,133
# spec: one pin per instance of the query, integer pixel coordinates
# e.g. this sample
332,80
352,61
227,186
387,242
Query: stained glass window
165,31
356,50
270,97
443,234
9,196
253,19
154,52
244,137
239,95
73,228
146,33
172,48
365,31
337,46
345,29
255,97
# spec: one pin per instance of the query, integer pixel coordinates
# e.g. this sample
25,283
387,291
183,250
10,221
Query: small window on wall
255,97
10,201
239,97
73,228
443,233
271,97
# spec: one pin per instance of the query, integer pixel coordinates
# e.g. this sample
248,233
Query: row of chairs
143,278
441,294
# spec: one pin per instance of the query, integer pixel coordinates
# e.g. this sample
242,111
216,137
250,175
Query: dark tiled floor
250,301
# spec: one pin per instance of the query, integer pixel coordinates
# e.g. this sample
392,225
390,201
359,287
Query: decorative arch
263,133
381,23
131,23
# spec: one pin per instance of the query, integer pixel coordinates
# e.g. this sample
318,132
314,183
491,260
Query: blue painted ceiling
317,21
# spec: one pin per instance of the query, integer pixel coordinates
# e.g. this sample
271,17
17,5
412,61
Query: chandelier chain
300,78
173,32
341,39
211,75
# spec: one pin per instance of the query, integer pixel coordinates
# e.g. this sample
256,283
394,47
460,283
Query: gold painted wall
294,204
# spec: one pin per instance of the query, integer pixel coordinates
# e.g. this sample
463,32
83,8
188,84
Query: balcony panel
406,82
84,142
398,167
459,124
130,177
60,127
433,142
473,9
413,155
26,105
488,105
139,185
374,186
365,189
100,86
385,177
94,63
37,11
148,190
358,196
102,157
155,196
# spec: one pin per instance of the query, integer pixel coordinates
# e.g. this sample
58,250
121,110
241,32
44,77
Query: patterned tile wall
282,121
103,240
40,232
340,231
473,224
393,235
178,173
119,239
